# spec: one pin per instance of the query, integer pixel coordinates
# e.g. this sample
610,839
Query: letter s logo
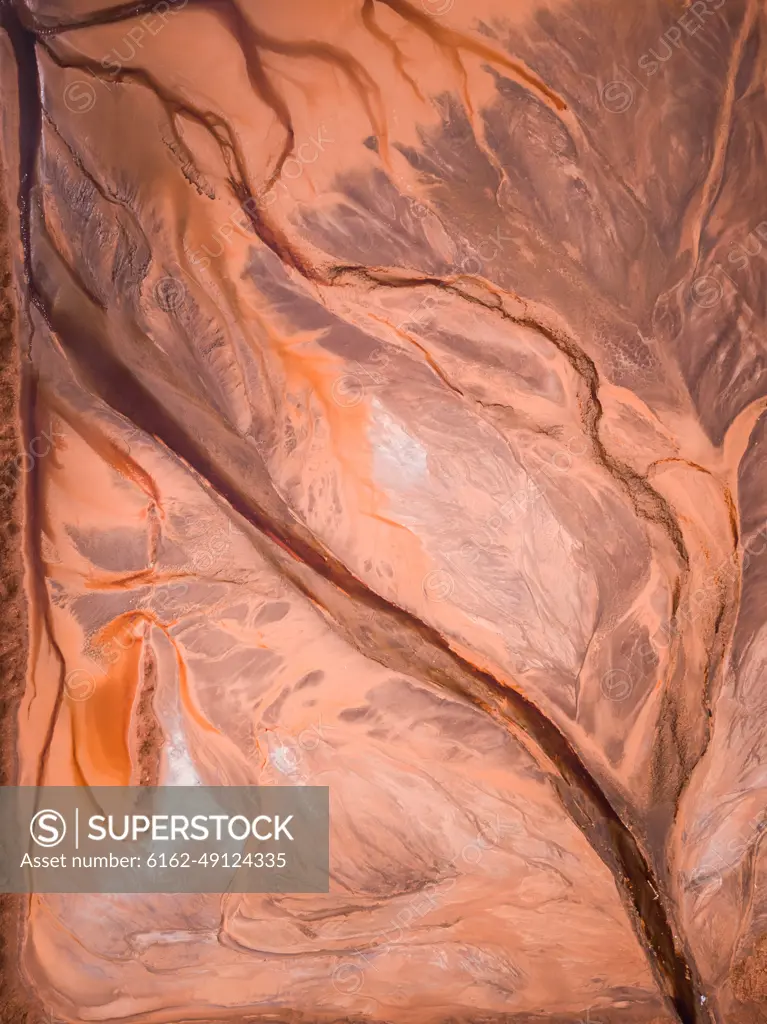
48,828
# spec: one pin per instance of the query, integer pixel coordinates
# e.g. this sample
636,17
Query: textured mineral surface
384,409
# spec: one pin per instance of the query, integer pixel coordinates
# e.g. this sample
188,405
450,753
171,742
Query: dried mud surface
386,401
